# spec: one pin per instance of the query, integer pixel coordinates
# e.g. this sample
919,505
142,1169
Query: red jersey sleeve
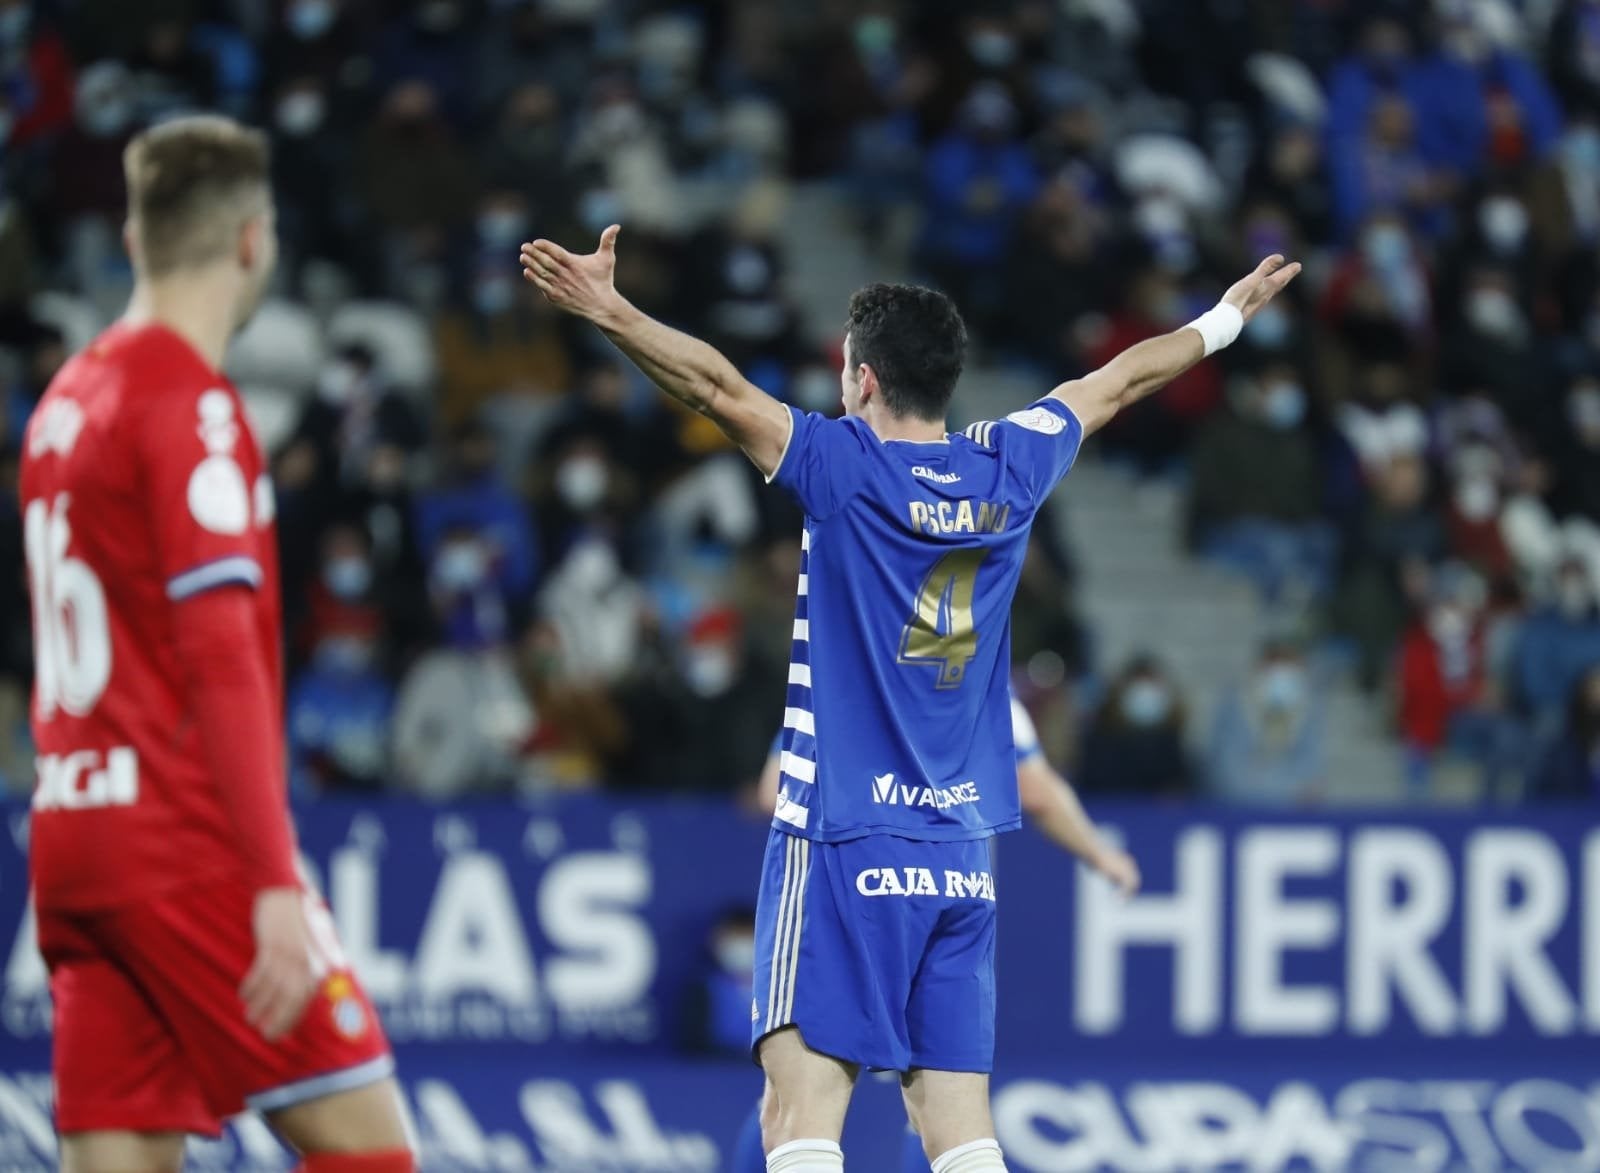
200,461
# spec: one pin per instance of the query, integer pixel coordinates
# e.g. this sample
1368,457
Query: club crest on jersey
349,1016
1038,419
219,499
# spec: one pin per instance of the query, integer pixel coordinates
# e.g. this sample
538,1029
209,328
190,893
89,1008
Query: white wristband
1218,326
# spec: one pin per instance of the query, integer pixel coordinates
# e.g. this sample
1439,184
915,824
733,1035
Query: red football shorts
150,1033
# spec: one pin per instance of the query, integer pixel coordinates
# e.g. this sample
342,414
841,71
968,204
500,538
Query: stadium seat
76,317
273,412
280,346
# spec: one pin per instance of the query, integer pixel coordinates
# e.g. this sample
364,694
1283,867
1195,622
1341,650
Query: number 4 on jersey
942,631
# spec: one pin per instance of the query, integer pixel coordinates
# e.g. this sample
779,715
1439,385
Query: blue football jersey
898,717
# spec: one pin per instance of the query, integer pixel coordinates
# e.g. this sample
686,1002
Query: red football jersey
142,484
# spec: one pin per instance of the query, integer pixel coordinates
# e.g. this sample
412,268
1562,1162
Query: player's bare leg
950,1111
115,1151
803,1107
362,1130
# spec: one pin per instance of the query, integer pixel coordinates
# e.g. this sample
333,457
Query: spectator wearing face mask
1291,173
1055,273
1255,489
353,412
341,596
1573,441
462,720
1449,694
1386,170
1492,343
317,38
1269,743
493,552
339,709
310,168
717,1016
1497,233
1564,203
1570,768
1153,432
499,342
979,180
1488,107
86,166
1479,480
696,721
1134,746
1395,538
40,78
1379,300
1556,644
415,184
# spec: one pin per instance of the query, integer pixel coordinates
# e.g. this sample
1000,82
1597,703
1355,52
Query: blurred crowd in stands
510,566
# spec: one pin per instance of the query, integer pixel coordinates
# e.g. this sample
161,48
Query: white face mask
582,481
1493,312
1574,599
502,227
1385,246
309,19
1284,405
1283,687
348,577
736,955
710,671
300,113
460,566
1146,702
1477,498
1504,222
337,383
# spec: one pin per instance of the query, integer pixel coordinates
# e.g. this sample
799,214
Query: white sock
978,1156
806,1156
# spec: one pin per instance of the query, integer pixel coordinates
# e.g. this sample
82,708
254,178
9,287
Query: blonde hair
192,184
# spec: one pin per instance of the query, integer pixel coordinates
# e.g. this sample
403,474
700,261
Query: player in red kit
192,972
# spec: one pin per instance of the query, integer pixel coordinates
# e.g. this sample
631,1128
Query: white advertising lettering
887,792
1513,896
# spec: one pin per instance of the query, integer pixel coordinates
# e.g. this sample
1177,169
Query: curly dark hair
914,340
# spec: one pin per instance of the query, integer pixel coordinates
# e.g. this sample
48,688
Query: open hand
281,981
1119,867
580,284
1250,293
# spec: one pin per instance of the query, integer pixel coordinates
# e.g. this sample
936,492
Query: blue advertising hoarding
1320,992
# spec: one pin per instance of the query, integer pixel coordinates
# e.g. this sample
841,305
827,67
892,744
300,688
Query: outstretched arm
687,369
1149,366
1053,807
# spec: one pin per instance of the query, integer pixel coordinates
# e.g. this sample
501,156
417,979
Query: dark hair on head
914,340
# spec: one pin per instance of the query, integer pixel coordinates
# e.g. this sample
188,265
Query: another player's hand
1250,293
280,983
1118,866
579,284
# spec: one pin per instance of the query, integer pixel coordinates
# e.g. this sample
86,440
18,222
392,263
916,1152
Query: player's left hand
1251,292
580,284
280,983
1118,866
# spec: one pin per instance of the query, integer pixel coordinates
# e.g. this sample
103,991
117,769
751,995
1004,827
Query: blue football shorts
879,949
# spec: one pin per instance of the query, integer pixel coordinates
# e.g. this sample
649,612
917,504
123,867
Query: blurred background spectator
509,564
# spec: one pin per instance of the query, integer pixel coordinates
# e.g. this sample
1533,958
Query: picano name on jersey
965,516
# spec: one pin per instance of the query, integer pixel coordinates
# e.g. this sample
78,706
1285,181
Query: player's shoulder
1045,417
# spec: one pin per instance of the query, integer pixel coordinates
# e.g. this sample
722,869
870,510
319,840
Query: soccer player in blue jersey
875,920
1051,805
